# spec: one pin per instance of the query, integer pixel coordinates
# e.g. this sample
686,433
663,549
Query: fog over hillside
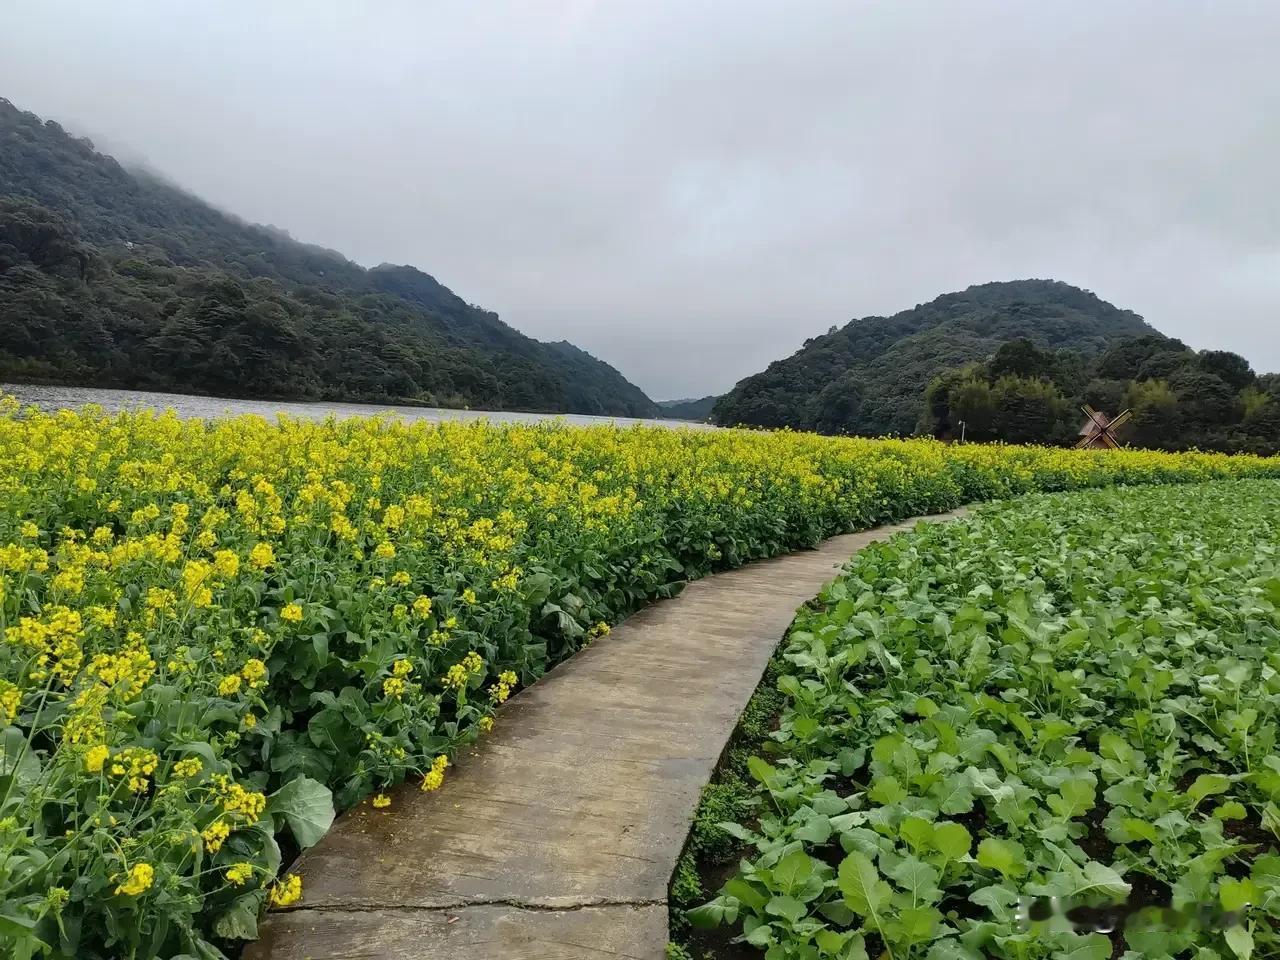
688,190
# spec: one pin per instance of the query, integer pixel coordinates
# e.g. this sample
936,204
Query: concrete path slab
557,836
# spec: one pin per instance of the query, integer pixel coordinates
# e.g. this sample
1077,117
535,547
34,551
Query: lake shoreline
53,397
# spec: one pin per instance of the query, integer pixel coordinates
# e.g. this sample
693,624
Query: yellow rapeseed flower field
207,626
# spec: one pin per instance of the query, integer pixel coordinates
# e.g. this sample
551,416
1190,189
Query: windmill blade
1122,419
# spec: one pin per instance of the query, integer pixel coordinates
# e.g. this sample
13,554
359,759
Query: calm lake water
61,398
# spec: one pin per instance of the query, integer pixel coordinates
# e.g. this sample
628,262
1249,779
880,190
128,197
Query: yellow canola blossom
96,757
287,892
188,767
137,881
433,779
215,835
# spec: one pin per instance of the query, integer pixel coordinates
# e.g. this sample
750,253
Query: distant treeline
1180,398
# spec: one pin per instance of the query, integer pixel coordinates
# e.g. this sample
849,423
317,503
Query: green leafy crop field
1071,696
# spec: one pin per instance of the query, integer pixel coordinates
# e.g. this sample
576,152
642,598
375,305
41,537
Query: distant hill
113,277
869,376
699,409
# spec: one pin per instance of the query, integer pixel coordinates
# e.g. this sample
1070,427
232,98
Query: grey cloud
690,189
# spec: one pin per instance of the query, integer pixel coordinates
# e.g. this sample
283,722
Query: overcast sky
689,189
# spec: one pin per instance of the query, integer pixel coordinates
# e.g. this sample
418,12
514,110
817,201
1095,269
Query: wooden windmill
1098,432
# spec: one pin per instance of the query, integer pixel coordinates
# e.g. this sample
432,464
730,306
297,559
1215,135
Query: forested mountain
699,409
113,277
869,376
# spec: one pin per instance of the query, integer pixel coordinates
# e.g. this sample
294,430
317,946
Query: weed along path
555,839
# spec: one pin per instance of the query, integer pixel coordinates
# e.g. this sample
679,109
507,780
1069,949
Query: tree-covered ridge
1179,398
689,409
115,278
869,376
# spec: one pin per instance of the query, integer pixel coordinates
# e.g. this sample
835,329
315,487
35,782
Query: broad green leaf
202,750
1230,810
1074,799
1240,939
1235,895
830,943
17,760
1140,829
1053,729
816,830
1100,878
1021,724
841,946
1005,856
760,935
955,794
804,727
736,830
999,899
828,804
952,840
887,790
1266,872
709,915
240,920
987,783
1206,785
746,894
1271,817
864,891
792,871
838,912
789,908
918,833
917,878
16,925
951,950
846,822
1092,947
1005,757
307,806
917,924
762,771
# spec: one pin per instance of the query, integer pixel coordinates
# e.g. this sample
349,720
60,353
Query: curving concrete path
556,838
